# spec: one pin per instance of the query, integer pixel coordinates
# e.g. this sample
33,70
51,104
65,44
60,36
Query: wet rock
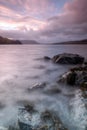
67,58
39,120
75,76
84,87
40,67
38,86
29,108
71,78
52,90
47,58
85,62
79,68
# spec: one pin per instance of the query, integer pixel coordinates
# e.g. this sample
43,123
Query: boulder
67,58
35,120
75,76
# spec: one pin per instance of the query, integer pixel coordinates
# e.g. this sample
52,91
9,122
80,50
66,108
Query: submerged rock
47,58
67,58
76,76
52,90
35,120
38,86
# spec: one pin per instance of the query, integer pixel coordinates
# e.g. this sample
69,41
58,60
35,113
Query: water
21,67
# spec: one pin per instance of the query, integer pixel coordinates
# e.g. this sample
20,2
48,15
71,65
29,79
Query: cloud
31,7
18,16
36,19
71,24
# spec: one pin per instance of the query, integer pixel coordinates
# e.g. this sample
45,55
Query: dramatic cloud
71,24
47,20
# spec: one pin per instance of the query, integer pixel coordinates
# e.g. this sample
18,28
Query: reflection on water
19,71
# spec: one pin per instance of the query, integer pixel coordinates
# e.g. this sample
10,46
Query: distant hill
6,41
72,42
29,42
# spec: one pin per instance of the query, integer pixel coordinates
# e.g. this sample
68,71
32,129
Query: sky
46,21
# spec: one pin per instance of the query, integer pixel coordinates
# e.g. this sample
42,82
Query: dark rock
29,108
47,58
24,126
38,86
79,68
76,76
67,58
39,121
71,78
84,87
52,90
85,62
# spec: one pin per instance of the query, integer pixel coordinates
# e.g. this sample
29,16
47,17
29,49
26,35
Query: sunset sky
44,20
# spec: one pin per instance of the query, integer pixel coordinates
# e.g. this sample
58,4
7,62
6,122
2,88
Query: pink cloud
35,17
71,23
78,10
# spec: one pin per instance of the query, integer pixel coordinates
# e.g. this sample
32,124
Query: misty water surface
22,67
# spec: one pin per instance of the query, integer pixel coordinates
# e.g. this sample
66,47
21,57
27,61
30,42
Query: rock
29,108
47,58
24,126
36,120
38,86
75,76
71,78
85,62
84,87
67,58
52,90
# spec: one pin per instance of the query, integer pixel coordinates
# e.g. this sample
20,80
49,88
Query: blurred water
21,68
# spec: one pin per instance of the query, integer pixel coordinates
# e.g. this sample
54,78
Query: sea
22,68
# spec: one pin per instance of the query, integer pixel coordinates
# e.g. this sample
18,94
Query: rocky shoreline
76,76
30,118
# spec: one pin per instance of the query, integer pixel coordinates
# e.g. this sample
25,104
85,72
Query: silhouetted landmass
6,41
72,42
29,42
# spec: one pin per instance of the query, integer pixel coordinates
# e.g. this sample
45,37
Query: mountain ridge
7,41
